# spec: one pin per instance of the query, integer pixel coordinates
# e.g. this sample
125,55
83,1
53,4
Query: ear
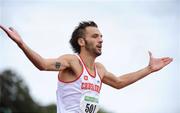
81,42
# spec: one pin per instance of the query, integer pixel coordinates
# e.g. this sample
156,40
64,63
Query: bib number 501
90,108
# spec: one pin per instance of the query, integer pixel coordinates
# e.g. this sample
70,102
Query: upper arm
57,64
108,77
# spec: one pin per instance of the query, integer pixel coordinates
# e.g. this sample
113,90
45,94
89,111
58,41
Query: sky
130,29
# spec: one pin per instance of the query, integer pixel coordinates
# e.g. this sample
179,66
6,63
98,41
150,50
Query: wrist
149,69
20,44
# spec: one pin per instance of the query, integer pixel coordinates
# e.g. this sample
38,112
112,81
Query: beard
92,49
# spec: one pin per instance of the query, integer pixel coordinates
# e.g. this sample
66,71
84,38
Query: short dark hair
79,32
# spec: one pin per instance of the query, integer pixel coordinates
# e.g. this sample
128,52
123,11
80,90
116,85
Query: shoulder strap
80,60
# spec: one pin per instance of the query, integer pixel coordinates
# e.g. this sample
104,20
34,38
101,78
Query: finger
166,59
12,29
150,54
167,62
4,29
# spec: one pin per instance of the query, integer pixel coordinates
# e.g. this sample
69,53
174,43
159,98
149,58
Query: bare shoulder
100,65
69,57
101,69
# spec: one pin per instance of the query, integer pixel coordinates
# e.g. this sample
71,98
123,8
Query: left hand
13,34
156,64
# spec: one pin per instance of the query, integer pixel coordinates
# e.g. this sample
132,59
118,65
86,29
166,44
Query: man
80,77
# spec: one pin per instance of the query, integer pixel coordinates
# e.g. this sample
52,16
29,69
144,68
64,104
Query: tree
14,94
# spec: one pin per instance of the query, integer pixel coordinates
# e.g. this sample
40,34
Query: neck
88,59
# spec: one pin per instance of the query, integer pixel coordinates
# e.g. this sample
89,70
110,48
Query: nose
100,40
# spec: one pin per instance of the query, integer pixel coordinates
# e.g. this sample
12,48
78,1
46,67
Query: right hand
13,34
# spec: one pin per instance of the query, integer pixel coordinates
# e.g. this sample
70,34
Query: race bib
89,103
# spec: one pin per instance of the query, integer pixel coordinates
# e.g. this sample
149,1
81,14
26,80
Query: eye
95,35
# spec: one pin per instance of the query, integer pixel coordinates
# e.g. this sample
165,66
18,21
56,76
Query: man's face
93,40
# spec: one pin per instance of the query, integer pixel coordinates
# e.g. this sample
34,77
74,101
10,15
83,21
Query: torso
78,89
72,73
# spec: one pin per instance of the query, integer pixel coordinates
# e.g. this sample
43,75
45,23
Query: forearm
155,64
130,78
35,58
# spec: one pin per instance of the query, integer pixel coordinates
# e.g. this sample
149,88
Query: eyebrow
96,34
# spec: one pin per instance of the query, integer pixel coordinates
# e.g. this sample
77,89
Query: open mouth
99,46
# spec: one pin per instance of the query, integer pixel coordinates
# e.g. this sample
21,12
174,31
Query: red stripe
72,80
87,69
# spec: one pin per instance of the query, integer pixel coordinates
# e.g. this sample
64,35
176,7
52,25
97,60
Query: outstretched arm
40,62
155,64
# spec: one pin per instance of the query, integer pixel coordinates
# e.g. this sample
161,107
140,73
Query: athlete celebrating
80,77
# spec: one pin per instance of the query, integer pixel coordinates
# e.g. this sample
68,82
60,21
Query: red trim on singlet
100,86
76,78
98,73
87,69
100,78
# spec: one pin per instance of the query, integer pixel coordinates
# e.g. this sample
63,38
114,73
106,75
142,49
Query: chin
98,54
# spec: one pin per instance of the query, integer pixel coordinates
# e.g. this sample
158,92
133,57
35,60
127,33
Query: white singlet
80,95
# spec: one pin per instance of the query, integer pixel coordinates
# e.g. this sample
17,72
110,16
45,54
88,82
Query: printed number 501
90,108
